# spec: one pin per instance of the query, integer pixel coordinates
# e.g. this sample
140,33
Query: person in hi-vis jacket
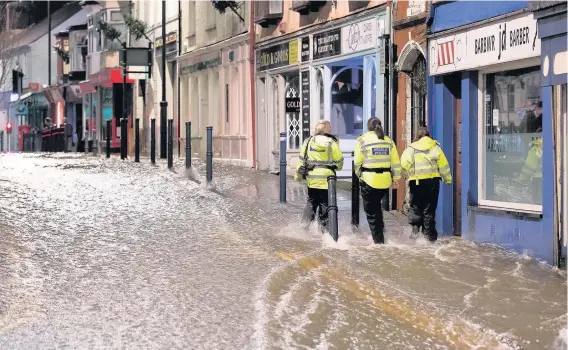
425,164
378,167
320,157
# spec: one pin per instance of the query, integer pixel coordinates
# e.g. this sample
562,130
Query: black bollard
170,143
332,207
123,138
354,194
209,154
33,141
137,140
51,139
187,145
108,136
153,141
283,167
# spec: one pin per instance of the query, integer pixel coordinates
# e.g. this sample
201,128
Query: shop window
347,101
292,105
512,139
318,97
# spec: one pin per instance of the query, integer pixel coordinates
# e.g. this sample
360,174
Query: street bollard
209,154
33,141
137,140
170,143
153,141
108,136
283,167
123,131
354,194
187,145
332,207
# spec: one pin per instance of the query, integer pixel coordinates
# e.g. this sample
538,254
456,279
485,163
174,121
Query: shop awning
86,87
73,94
108,77
54,94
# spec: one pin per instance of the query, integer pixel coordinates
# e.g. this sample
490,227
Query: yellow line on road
460,334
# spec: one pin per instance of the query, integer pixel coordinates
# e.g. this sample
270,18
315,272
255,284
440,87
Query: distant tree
110,32
62,53
136,27
222,6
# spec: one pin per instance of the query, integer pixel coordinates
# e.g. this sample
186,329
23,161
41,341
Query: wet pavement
98,253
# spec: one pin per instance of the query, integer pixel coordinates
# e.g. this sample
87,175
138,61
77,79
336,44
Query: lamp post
163,103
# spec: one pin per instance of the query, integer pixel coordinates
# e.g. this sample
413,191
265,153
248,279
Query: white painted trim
531,62
533,208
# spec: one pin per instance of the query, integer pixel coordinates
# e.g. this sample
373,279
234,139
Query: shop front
102,101
485,92
334,72
27,115
215,91
551,17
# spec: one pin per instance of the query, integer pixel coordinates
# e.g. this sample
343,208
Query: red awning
86,87
108,77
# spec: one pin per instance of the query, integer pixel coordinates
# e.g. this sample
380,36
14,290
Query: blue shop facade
490,111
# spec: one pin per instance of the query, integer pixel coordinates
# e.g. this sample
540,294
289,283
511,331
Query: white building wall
217,96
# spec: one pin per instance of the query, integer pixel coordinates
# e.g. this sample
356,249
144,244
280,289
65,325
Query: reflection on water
100,253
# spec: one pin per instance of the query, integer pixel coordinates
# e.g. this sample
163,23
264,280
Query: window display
512,137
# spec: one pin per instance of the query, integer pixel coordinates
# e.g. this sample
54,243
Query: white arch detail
408,56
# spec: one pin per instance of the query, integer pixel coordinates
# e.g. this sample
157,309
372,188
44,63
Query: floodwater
98,253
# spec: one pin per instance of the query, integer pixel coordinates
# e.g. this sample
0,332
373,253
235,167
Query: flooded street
98,253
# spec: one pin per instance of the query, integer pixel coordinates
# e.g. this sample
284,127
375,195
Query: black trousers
372,198
317,202
423,204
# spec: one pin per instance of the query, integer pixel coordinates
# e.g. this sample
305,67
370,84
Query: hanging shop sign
506,40
278,56
305,76
305,49
327,44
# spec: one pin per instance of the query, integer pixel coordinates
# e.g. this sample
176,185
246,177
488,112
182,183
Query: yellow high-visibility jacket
373,153
323,154
533,165
424,159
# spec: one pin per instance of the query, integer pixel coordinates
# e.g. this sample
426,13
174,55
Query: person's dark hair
374,124
421,132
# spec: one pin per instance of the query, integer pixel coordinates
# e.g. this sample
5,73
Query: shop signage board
278,56
305,82
305,49
509,39
170,38
327,44
359,36
292,105
201,62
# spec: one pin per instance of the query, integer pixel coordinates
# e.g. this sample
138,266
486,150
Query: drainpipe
252,83
179,81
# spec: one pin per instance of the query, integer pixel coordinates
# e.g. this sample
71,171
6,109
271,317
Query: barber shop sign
506,40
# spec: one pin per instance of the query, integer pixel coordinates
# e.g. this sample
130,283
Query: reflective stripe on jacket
373,153
324,154
424,159
533,164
